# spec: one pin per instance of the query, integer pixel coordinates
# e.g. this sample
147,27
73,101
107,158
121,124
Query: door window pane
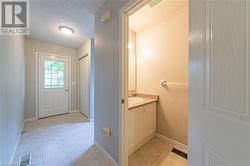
47,73
60,81
47,64
60,74
53,74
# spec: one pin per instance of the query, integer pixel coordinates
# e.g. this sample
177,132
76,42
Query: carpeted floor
65,140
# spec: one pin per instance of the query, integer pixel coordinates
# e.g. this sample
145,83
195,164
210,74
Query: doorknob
66,90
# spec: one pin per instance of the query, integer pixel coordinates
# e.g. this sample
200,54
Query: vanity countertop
147,99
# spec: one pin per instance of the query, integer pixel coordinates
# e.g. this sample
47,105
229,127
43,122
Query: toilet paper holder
163,83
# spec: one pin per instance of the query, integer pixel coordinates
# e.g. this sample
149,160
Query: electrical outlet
106,17
106,132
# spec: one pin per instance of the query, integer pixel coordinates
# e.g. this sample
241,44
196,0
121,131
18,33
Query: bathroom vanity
141,120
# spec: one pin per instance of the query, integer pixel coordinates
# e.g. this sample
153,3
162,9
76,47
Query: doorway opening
84,87
155,82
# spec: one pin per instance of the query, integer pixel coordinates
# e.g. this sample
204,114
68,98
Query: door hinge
122,101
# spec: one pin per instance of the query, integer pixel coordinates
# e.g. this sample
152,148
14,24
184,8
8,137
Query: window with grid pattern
53,74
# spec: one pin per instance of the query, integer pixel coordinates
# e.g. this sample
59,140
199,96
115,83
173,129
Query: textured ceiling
47,15
147,16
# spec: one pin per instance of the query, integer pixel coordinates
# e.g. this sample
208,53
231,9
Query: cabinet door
138,125
135,126
149,119
130,127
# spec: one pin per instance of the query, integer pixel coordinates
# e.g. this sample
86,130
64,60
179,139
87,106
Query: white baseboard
29,119
73,111
106,153
18,139
177,144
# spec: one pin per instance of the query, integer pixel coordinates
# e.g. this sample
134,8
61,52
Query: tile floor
156,152
65,140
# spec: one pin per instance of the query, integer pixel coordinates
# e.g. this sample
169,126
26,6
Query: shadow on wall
12,94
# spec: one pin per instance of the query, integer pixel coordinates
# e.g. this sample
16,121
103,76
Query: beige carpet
65,140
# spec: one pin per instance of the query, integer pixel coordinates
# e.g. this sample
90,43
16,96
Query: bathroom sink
135,100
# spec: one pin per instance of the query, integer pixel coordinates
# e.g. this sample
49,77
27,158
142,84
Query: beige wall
33,46
11,94
162,52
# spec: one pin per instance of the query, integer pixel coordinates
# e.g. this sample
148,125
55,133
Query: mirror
132,62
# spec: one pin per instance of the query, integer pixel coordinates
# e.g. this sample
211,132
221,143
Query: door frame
87,55
131,7
37,80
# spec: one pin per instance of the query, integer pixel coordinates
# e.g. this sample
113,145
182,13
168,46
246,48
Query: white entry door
84,85
219,113
53,85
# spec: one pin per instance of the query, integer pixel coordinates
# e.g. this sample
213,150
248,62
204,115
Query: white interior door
219,114
53,85
84,86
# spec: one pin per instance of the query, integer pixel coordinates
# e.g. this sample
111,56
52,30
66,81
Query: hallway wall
33,46
12,94
107,77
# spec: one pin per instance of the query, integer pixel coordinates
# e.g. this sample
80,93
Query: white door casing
53,98
219,120
124,13
85,86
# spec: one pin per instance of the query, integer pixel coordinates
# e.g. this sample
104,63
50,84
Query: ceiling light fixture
66,30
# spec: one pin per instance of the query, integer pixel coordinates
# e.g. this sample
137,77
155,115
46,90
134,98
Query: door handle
66,90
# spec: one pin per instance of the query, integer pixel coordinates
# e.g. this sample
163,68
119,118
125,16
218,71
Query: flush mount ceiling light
66,30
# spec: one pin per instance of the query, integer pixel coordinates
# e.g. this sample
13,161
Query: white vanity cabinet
141,123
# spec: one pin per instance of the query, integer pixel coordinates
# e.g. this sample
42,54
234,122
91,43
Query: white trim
69,84
78,83
14,150
177,144
106,153
73,111
131,7
37,80
29,120
91,119
37,83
